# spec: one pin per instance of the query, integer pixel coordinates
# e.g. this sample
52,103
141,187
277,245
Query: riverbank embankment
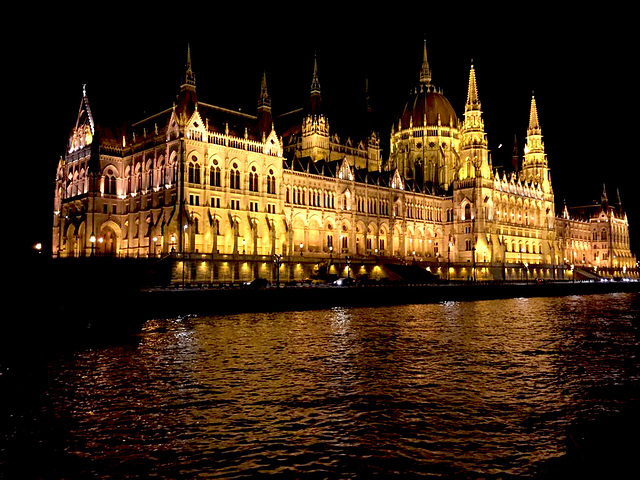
177,301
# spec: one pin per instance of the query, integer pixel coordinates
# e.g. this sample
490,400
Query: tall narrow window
271,182
194,170
253,179
214,175
234,177
109,184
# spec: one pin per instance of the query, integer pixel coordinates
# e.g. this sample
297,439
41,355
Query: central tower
425,140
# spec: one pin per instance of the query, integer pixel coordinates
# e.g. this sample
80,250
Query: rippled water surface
454,390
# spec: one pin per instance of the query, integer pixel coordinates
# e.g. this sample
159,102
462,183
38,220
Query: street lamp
92,239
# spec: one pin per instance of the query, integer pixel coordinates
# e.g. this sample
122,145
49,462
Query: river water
486,389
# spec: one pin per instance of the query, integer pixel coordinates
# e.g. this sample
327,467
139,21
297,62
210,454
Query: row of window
234,204
135,182
314,198
215,177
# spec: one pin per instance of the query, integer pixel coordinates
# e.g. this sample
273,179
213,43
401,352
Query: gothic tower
315,127
425,138
473,186
534,165
474,152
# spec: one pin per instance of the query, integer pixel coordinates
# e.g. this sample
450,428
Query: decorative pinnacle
189,78
534,125
425,72
265,99
473,101
315,83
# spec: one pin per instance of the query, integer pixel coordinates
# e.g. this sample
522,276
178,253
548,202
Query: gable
344,172
396,181
84,130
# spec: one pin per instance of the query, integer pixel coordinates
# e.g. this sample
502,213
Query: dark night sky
578,64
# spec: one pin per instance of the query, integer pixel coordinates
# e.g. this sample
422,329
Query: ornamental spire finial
534,125
189,77
425,72
315,82
316,96
264,93
473,101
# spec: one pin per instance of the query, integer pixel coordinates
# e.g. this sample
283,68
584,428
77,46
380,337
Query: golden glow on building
232,190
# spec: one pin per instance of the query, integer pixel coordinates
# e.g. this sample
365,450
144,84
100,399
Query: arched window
253,179
109,184
467,212
603,235
214,175
271,182
194,170
234,177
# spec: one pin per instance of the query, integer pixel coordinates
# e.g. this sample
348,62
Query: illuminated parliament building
227,196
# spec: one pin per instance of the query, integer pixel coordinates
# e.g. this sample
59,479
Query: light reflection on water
474,389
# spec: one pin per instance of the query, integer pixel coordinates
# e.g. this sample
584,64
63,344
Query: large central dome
425,138
426,106
429,108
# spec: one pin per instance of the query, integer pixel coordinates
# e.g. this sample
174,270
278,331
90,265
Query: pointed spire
189,77
473,101
425,72
315,82
265,119
367,99
534,125
187,99
515,156
604,199
316,97
265,99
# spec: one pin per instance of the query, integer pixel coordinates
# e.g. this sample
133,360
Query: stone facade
230,196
